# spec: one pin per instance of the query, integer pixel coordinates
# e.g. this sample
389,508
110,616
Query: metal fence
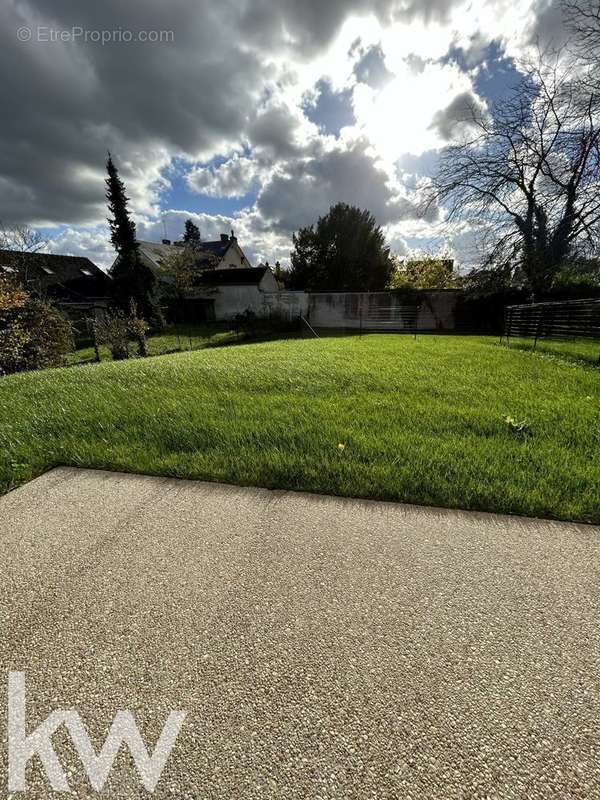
397,311
388,318
567,320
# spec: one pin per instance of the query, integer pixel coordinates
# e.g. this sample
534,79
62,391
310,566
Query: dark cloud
310,186
549,28
65,104
275,130
457,118
307,26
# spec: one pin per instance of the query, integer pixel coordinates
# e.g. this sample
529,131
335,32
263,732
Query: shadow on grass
585,352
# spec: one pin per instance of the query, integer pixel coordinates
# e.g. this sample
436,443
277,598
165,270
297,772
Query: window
47,270
87,272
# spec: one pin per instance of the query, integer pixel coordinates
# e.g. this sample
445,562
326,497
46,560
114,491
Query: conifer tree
133,281
191,237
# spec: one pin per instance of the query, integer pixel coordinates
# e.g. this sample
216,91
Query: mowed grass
170,340
382,416
586,350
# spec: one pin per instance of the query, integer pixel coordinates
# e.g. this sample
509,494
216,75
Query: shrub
33,334
50,335
116,330
113,330
138,328
246,321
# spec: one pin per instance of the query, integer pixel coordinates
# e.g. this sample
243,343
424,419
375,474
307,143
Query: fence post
537,326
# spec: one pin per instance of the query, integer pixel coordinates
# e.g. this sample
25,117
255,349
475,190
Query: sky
251,115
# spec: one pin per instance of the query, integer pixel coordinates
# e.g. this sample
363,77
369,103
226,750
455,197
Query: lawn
587,350
184,337
382,416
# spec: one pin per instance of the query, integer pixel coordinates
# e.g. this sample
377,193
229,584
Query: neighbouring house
226,283
73,283
222,294
223,253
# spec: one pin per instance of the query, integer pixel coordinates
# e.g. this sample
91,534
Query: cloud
458,117
345,173
65,103
371,69
93,243
251,98
233,178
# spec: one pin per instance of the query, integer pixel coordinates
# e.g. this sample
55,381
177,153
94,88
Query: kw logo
22,747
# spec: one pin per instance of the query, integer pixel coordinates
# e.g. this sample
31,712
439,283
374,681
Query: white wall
286,305
382,310
234,258
379,310
233,300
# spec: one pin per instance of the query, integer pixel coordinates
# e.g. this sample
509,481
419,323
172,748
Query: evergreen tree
345,251
191,237
133,281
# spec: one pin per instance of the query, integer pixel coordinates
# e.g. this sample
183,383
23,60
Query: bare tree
529,172
583,21
19,240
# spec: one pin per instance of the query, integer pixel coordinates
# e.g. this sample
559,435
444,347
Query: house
222,294
224,253
75,284
226,283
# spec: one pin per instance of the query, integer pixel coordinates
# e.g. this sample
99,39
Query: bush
113,330
116,330
245,321
33,334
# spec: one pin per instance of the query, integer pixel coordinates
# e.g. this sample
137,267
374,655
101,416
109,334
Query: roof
243,276
67,278
210,253
157,251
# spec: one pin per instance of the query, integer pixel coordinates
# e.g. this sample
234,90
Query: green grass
586,350
184,337
420,421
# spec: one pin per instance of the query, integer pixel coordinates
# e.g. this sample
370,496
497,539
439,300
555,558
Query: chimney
232,237
224,237
166,241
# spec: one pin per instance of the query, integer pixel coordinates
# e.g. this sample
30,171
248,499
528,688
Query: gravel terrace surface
322,647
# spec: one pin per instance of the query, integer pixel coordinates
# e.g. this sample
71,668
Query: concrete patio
322,647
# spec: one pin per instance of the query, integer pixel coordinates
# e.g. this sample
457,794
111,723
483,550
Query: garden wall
393,310
415,310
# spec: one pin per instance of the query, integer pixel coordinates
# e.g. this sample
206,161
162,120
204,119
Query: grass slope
419,421
170,340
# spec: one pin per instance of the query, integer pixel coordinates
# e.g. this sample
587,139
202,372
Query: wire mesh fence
560,322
